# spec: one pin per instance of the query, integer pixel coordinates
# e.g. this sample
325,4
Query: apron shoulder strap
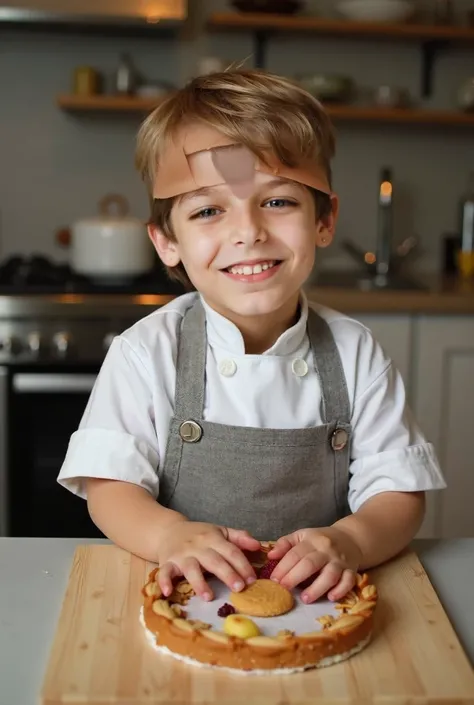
191,364
328,364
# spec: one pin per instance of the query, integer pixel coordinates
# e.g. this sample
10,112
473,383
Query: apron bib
270,482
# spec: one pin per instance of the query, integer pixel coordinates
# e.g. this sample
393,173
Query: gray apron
268,481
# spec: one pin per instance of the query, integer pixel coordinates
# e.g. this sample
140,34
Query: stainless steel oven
51,350
40,410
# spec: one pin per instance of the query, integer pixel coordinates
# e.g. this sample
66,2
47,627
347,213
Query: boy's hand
328,551
188,547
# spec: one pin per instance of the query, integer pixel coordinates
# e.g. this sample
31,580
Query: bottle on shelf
466,230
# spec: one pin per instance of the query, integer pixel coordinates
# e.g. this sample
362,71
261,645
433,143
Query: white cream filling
328,661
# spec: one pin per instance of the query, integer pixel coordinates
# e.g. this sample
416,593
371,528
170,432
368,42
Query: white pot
111,246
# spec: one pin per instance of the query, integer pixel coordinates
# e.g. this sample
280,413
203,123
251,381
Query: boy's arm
384,525
129,516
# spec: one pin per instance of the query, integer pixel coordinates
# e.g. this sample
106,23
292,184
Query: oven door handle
37,383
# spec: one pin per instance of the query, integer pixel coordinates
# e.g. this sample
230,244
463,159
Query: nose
248,227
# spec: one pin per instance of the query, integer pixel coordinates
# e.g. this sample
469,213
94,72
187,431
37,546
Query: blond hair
255,108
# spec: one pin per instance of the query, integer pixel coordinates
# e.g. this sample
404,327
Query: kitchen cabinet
394,333
435,356
443,396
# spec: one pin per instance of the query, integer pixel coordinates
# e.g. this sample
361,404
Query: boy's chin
259,304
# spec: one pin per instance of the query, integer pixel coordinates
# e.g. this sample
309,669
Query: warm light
386,188
370,258
153,19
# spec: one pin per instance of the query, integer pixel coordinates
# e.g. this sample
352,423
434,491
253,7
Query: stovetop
37,275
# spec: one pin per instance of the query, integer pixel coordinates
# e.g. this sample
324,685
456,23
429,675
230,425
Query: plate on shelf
376,10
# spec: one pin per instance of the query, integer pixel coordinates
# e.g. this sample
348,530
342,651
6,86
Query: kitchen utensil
280,7
376,10
100,653
111,246
466,230
126,77
328,87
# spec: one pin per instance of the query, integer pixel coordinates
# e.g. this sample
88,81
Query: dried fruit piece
225,610
369,592
326,620
184,588
242,627
153,590
267,569
348,622
285,634
178,611
162,608
197,624
361,606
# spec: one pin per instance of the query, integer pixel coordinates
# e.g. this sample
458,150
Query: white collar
224,334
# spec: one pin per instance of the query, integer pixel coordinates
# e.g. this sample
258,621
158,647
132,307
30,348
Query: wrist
167,521
352,531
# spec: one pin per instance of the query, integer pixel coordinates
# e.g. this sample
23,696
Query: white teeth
247,270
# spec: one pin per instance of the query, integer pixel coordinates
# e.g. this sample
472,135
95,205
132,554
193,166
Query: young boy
238,413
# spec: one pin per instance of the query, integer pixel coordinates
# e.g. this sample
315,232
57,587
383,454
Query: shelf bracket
430,52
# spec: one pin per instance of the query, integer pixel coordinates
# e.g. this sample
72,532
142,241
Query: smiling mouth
249,269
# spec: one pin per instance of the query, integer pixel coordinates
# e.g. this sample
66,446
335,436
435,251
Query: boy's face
248,254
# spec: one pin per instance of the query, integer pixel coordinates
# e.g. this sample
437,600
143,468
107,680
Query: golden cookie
264,598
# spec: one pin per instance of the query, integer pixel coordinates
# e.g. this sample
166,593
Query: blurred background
397,77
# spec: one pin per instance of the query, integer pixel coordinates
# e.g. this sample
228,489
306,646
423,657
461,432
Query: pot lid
113,210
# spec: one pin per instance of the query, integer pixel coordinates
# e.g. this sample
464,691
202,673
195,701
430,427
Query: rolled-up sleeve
389,451
116,438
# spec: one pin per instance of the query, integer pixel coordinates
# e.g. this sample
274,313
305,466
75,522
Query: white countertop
34,574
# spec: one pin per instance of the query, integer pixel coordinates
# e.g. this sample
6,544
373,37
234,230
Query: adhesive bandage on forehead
201,157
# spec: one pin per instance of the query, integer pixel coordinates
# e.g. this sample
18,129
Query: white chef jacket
124,429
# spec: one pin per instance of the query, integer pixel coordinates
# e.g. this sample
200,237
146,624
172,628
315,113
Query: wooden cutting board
100,654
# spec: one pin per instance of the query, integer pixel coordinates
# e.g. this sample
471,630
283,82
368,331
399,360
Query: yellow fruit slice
242,627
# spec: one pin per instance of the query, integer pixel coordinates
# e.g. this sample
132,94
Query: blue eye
206,213
279,203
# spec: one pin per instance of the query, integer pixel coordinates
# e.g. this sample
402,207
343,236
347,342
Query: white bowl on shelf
376,10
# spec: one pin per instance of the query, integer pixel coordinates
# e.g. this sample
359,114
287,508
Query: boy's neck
261,332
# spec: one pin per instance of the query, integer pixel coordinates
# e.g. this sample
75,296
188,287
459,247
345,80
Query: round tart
340,635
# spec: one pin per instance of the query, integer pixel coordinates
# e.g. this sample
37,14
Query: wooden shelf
321,25
408,116
339,113
108,103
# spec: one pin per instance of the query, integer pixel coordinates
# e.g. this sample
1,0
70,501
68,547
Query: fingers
301,567
193,573
346,583
167,572
239,562
242,539
330,576
213,561
282,546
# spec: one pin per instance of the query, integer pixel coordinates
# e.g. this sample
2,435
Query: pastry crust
339,638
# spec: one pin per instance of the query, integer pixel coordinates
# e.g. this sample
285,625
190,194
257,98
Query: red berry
268,568
225,610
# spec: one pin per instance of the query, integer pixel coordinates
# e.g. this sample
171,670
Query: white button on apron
227,368
299,367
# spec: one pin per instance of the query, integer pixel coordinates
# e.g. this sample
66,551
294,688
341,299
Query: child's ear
167,250
326,227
